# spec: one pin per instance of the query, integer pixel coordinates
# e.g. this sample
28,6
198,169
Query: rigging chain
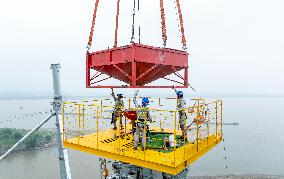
133,23
116,24
93,25
163,22
183,40
139,29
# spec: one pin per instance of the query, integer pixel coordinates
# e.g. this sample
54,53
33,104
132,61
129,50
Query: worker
117,109
143,115
181,112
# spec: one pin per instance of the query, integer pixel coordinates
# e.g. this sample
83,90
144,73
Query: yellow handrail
89,113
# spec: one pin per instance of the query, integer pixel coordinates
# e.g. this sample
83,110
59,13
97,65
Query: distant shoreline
38,148
42,139
5,97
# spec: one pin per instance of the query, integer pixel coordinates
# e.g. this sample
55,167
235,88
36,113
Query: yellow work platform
87,127
173,161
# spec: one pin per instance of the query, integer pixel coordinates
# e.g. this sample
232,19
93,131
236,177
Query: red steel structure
137,65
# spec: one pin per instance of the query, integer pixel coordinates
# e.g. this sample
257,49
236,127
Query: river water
254,147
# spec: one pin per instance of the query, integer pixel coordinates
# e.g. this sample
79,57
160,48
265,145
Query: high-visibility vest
181,104
142,114
119,105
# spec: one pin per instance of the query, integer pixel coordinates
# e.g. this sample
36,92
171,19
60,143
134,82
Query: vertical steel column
63,156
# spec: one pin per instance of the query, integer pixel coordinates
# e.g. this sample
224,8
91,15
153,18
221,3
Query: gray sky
235,46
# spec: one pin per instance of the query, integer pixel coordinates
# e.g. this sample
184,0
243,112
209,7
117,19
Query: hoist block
136,66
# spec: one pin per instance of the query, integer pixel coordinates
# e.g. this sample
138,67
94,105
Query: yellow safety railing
88,123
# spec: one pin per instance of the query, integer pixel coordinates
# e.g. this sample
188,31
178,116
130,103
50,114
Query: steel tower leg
65,172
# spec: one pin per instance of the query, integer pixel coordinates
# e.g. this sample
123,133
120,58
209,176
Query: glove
136,93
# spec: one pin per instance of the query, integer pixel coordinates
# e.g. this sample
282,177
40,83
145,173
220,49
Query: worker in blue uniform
117,109
181,112
143,115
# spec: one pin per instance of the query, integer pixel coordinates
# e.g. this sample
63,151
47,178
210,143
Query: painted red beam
139,53
136,65
110,86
